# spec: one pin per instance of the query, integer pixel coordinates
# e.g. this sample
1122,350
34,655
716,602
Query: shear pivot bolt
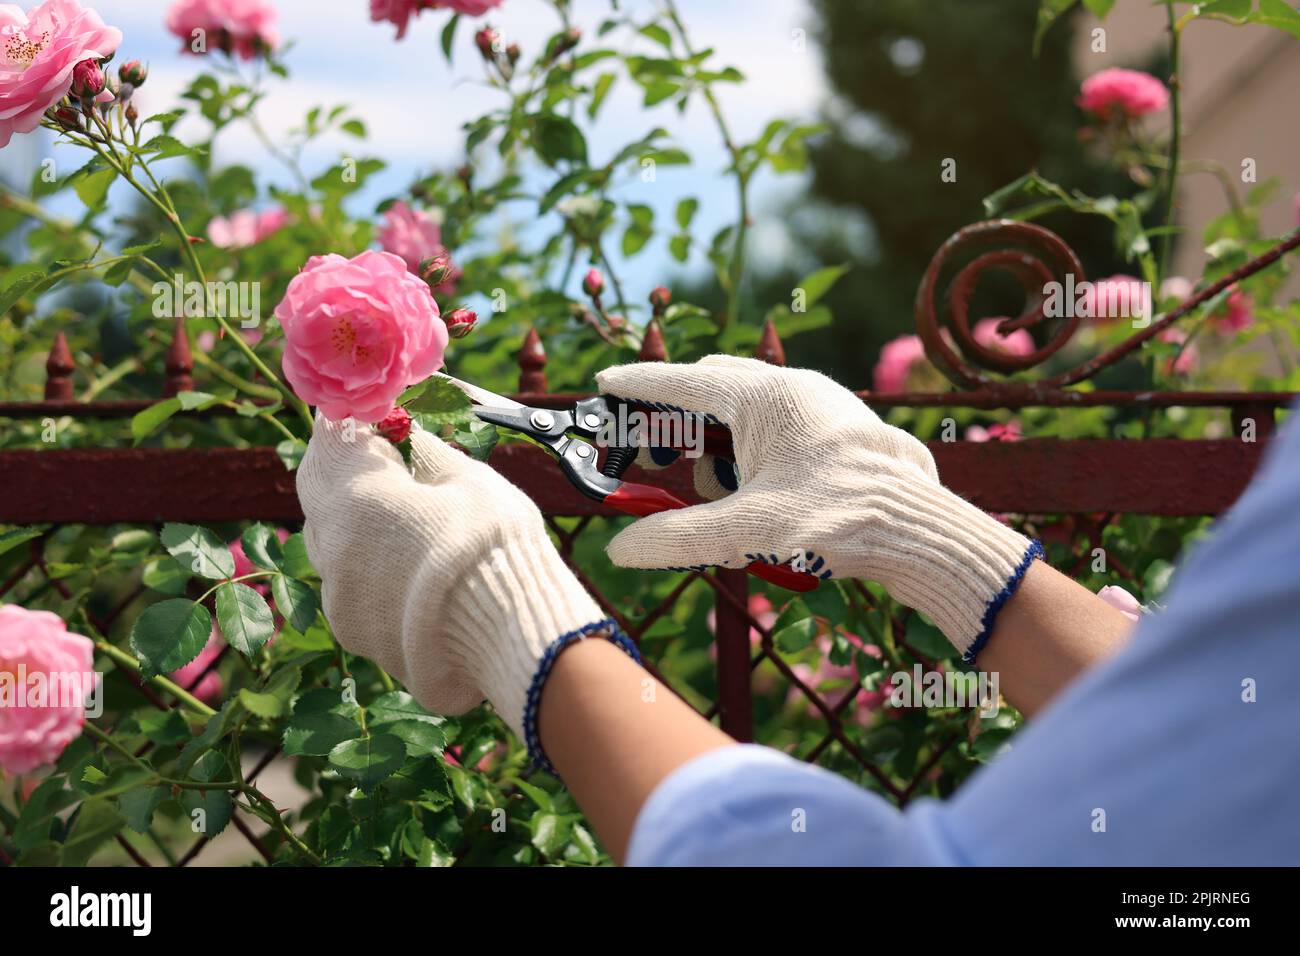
542,420
582,451
591,420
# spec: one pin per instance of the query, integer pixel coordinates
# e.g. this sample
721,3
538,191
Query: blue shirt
1182,749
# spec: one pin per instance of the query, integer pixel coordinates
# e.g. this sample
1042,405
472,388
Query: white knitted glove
821,476
446,577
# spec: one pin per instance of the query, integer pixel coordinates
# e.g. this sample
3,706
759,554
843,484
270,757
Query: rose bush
215,655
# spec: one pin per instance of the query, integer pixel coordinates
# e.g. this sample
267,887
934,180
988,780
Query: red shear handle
641,500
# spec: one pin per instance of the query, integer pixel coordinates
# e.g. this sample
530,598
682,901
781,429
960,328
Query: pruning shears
568,435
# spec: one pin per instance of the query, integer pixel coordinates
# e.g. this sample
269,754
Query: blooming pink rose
1235,314
357,332
38,53
37,718
246,227
243,27
1186,360
897,359
1117,93
1016,342
1121,601
208,689
995,432
410,233
1177,288
399,12
1117,297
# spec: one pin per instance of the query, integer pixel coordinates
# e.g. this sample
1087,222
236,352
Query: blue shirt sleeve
1183,749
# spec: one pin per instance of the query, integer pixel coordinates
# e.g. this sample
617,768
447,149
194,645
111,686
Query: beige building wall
1241,99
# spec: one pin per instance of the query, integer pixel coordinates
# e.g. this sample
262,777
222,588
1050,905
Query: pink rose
357,332
38,715
399,12
1186,360
410,233
243,27
1177,288
39,53
1117,93
1016,342
1235,314
246,227
897,359
208,689
995,432
1117,297
1121,601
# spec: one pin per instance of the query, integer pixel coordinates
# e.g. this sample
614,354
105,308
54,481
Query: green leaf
217,727
273,699
295,563
291,451
796,636
199,550
165,575
137,806
354,127
421,739
164,727
562,187
215,806
170,634
316,734
1279,15
196,401
680,246
924,638
15,536
557,138
370,760
22,280
657,33
262,546
399,705
1100,8
92,188
536,794
145,423
97,821
550,832
599,91
245,620
686,209
167,146
826,601
295,600
441,403
477,438
449,35
817,284
586,844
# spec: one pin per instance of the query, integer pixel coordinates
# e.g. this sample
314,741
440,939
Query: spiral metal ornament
1034,257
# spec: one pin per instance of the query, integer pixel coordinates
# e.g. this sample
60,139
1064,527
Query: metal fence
1091,481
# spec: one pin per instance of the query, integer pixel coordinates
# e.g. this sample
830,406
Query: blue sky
414,103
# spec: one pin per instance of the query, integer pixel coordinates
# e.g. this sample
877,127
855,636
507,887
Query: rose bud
513,53
435,270
87,80
487,40
567,41
460,322
659,299
132,115
133,72
66,117
395,426
593,283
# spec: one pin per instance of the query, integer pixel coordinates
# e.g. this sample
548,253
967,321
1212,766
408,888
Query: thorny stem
1175,136
123,659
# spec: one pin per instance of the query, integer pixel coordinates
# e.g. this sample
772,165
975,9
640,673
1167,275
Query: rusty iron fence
1089,481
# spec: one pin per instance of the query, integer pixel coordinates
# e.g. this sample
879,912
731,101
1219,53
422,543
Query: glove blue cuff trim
531,738
1035,550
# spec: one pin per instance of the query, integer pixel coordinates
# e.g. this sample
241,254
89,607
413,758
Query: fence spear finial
532,363
652,344
179,362
770,349
58,371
